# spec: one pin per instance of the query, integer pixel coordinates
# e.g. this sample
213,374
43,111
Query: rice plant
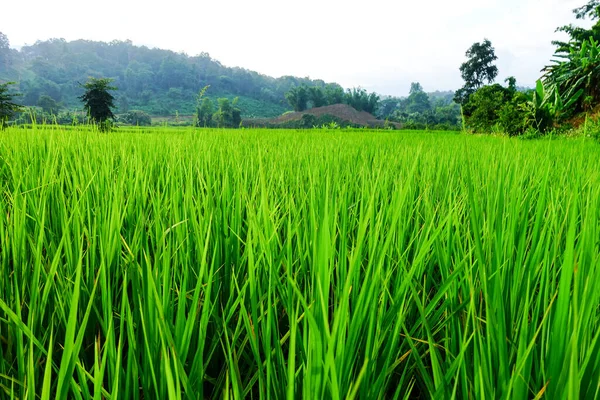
205,264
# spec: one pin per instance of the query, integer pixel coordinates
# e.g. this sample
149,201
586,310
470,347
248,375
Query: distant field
178,263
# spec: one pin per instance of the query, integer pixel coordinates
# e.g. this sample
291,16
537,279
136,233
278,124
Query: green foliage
8,107
418,100
5,53
227,114
482,111
496,108
576,77
308,121
204,109
48,104
205,113
298,98
422,110
334,93
360,100
514,116
136,118
477,70
98,101
317,96
153,80
578,35
302,98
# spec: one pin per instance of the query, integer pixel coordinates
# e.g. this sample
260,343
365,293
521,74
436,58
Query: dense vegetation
8,107
568,87
158,82
221,264
421,110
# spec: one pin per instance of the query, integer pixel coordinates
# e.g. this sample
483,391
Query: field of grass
157,263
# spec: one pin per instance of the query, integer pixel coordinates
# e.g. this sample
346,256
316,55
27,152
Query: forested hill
159,82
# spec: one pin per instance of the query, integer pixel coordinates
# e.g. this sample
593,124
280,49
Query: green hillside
157,81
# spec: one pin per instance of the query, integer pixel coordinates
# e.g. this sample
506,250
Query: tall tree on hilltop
418,100
98,101
477,70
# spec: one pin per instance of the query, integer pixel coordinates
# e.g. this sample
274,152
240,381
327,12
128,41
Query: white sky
381,45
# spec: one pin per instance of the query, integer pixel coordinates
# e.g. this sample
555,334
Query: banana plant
574,77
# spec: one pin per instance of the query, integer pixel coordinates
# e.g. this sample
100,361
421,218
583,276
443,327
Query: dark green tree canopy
4,52
480,67
7,104
205,112
48,104
590,10
578,35
418,100
360,100
477,70
98,100
415,87
298,97
228,114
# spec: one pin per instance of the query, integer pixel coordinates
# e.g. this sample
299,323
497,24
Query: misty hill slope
157,81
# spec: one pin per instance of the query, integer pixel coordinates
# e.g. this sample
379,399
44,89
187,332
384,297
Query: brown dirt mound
580,119
341,111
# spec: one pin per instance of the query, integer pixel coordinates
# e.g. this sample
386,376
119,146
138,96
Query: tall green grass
267,264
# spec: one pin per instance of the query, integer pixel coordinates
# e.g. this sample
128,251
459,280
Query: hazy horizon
382,48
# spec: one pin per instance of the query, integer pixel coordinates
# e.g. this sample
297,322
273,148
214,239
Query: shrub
136,117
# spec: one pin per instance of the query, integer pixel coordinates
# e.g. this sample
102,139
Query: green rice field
323,264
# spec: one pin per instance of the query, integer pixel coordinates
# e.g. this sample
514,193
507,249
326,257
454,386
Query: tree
98,101
574,75
334,94
590,10
482,111
4,51
578,35
317,96
415,87
205,112
387,108
360,100
204,108
7,105
298,97
228,115
48,104
418,100
477,70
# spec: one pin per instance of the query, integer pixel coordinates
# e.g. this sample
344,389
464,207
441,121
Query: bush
482,110
308,121
514,116
136,118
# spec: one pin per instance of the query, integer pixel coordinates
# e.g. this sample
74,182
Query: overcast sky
381,45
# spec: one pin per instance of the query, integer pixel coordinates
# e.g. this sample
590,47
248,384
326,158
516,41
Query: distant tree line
303,97
421,110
